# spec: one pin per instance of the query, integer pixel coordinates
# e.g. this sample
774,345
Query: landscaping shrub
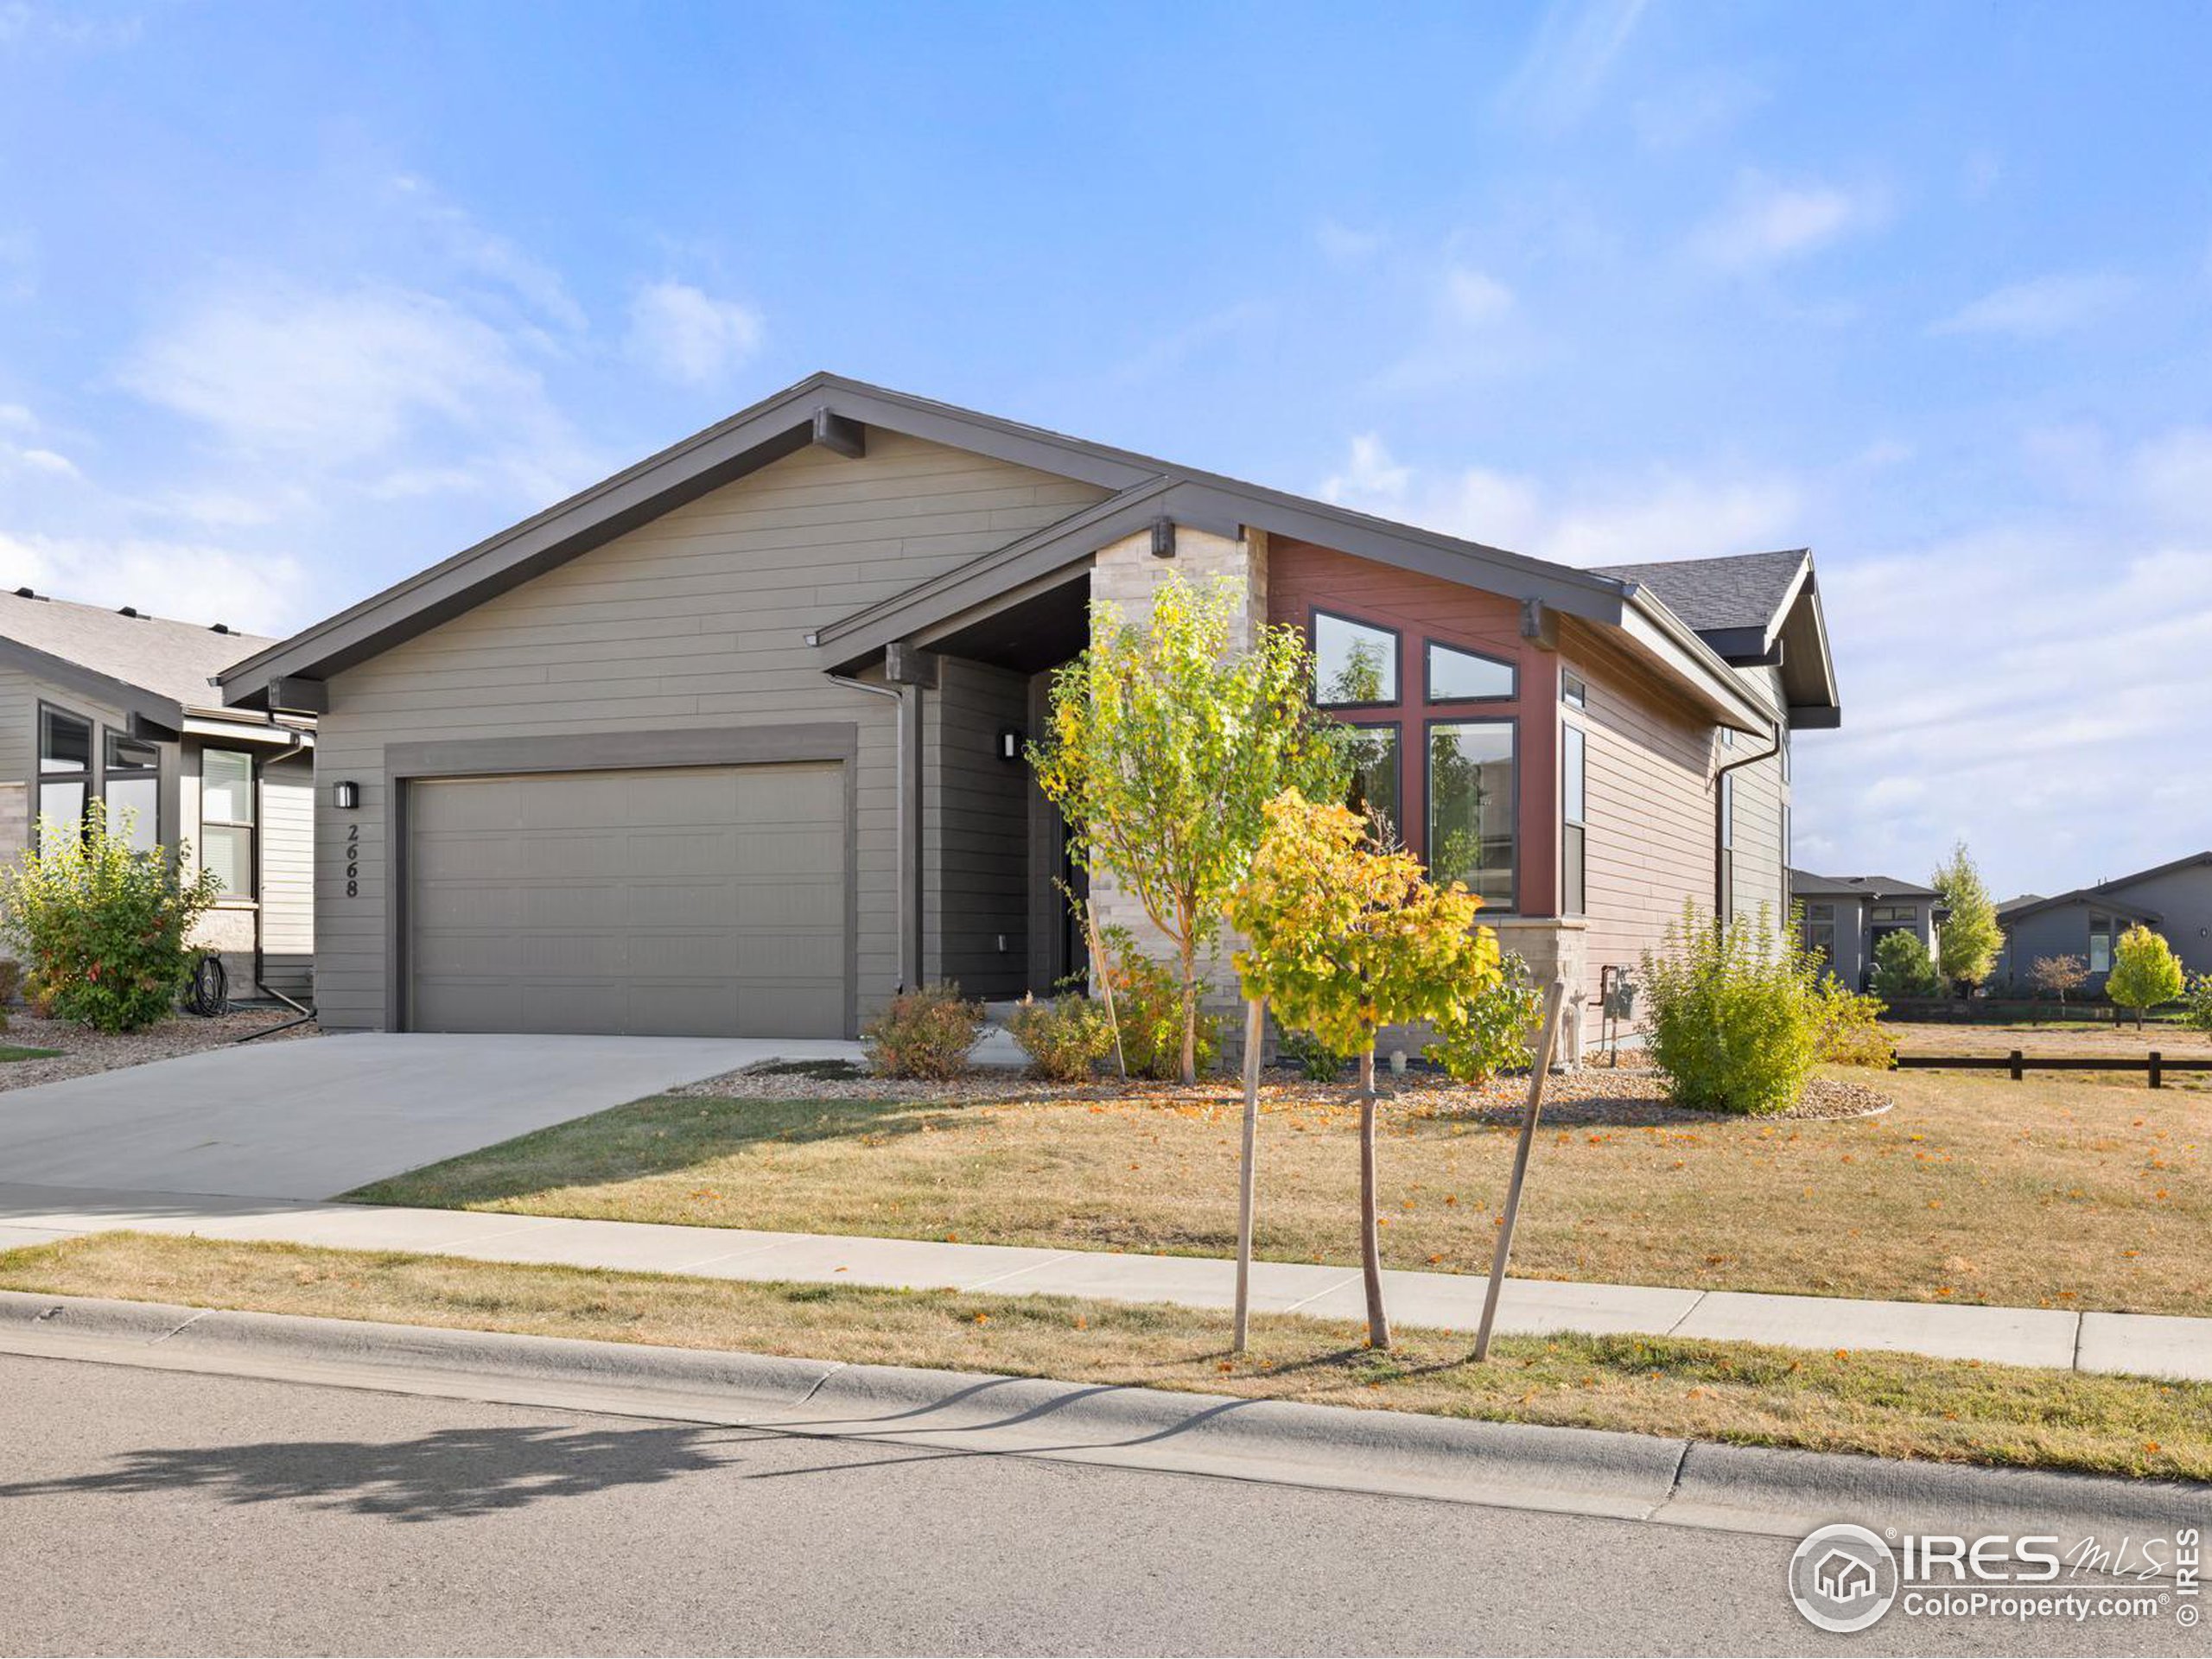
1902,969
2197,1002
1850,1029
102,925
1732,1014
1315,1060
924,1034
1148,1002
2145,972
1492,1032
1064,1037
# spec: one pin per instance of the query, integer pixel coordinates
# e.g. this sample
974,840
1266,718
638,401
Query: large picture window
1355,663
2100,942
132,787
1375,791
1574,812
226,820
1820,931
65,770
1471,807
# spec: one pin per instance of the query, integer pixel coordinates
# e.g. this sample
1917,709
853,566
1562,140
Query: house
1845,916
2173,900
115,705
731,742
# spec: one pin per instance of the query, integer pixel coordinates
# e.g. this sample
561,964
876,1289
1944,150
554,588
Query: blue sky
295,299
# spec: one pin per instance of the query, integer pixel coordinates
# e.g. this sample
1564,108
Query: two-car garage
690,900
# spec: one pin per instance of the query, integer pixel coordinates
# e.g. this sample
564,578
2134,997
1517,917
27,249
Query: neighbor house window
1573,799
1470,807
1820,931
1467,676
1572,691
1724,906
226,820
1375,793
1354,663
132,787
65,770
2100,944
1785,912
1894,916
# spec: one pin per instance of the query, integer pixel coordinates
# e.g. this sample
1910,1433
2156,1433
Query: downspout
1720,851
906,895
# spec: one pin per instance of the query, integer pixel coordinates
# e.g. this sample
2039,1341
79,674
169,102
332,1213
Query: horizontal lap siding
288,877
696,619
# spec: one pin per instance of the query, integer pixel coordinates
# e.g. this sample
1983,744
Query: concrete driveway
318,1116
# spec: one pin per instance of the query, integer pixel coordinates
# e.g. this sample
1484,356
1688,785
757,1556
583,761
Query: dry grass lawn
2051,1037
2064,1190
1891,1405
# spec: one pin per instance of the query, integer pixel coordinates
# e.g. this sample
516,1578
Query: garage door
704,901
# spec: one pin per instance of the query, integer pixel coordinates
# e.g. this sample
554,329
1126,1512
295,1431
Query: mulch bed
84,1052
1593,1095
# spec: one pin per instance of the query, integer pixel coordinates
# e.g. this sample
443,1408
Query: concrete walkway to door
316,1116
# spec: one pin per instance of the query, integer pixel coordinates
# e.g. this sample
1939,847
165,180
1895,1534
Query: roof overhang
148,706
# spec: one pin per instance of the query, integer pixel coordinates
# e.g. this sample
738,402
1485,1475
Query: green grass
1888,1405
9,1052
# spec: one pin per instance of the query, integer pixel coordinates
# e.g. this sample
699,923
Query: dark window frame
1821,918
1724,908
1573,895
2109,932
1397,731
88,777
1573,690
1512,723
252,826
1396,699
110,740
1430,647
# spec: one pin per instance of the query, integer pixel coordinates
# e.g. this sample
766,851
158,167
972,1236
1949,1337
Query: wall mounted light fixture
346,797
1009,745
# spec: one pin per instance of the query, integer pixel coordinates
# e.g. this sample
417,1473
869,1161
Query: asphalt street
149,1511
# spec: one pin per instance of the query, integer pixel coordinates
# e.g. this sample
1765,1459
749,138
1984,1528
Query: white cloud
1704,105
1768,222
43,461
1344,245
194,582
1560,78
2040,307
2172,477
686,335
1475,296
473,250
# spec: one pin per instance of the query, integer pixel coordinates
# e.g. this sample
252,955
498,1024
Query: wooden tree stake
1553,996
1255,1022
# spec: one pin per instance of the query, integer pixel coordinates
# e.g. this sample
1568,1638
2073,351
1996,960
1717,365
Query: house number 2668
353,861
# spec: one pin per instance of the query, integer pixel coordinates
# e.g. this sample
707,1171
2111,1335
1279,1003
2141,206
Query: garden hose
209,993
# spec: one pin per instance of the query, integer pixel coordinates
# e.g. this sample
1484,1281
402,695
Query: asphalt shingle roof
170,659
1744,590
1857,887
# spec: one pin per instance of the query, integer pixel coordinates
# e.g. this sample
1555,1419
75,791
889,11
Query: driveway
316,1118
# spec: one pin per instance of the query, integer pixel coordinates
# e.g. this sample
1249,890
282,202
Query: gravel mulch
84,1052
1593,1095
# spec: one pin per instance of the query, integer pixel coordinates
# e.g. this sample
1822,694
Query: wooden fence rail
2016,1064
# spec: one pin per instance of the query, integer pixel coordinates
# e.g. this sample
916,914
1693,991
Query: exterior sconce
346,797
1163,538
1009,745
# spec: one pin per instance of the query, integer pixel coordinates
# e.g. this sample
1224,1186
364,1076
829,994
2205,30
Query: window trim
89,777
1573,690
1397,730
1581,825
1430,647
1723,907
1313,615
1512,723
110,739
252,826
2111,931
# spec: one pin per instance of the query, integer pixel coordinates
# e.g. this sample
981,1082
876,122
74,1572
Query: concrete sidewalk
2141,1344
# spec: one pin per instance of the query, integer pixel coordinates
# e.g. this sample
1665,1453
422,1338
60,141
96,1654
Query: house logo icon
1843,1579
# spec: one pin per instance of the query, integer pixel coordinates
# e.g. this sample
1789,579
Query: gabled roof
1805,884
2105,895
147,664
837,412
1756,610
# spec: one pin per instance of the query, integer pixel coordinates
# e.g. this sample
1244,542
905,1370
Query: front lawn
11,1051
1889,1405
2061,1192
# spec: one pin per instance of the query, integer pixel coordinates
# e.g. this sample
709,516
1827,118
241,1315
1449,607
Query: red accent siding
1302,578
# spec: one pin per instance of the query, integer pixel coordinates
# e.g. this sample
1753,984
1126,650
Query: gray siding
288,877
2182,898
975,832
695,620
1761,861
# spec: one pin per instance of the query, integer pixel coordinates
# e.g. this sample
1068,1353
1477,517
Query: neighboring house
731,742
1846,917
98,704
2173,900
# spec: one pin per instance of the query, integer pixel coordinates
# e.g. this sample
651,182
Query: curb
1514,1466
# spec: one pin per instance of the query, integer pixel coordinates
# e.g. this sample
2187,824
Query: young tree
1344,938
1902,967
2145,972
1971,938
1166,746
2059,975
2199,998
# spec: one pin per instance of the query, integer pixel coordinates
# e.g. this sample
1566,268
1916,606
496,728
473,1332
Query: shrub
2198,999
1903,969
2056,975
1851,1031
1732,1014
1064,1037
1493,1031
1315,1060
103,924
1148,1003
924,1034
2145,972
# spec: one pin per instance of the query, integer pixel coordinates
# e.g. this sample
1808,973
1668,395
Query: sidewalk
2142,1345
